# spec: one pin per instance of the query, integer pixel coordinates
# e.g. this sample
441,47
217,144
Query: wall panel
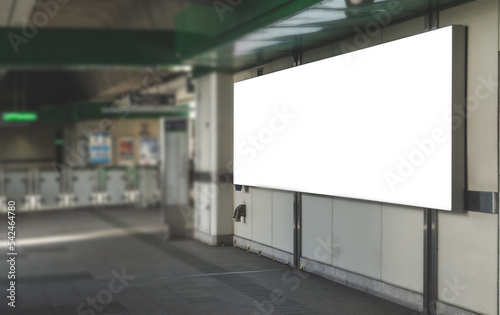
357,230
317,228
403,246
282,228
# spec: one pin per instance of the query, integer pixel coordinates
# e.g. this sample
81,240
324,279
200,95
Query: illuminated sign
20,116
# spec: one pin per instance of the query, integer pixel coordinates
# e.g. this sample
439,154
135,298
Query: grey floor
72,262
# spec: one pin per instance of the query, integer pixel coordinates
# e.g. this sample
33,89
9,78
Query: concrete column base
213,240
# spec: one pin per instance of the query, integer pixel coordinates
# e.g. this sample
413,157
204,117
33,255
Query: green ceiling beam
226,21
86,48
98,110
218,35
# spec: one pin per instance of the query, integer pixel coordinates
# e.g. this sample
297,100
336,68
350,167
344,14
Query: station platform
116,261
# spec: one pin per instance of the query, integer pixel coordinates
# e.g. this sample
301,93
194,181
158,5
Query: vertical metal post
430,215
36,175
430,261
432,19
297,229
37,196
161,174
297,196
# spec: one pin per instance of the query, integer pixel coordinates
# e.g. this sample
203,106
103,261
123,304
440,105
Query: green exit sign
20,116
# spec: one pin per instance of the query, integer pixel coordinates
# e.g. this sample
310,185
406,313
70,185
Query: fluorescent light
272,33
242,47
314,16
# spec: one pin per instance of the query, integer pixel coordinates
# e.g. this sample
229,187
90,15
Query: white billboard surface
376,124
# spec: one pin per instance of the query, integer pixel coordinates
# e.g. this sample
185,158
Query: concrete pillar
213,185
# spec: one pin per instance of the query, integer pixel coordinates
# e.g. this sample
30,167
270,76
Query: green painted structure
97,110
252,32
86,48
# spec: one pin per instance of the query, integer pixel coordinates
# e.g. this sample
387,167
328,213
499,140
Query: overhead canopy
61,52
248,33
86,48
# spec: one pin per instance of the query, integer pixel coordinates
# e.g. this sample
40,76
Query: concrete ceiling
13,12
122,14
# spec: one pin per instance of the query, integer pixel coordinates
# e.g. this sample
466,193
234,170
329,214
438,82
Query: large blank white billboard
381,124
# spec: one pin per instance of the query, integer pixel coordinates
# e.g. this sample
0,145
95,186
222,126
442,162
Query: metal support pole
430,215
430,261
432,19
297,229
